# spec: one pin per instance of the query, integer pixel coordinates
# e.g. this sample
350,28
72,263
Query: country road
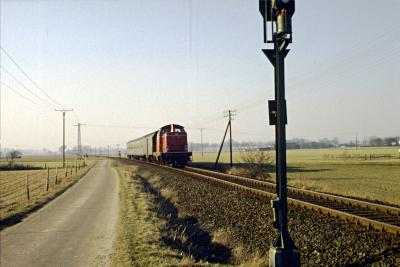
76,229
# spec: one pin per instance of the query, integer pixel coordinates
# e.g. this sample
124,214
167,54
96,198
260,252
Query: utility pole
229,114
63,147
356,141
79,152
118,151
201,140
277,14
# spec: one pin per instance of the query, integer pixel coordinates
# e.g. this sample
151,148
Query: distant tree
14,154
61,148
365,141
335,141
390,141
375,141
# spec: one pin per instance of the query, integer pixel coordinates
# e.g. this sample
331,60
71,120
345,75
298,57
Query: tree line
297,143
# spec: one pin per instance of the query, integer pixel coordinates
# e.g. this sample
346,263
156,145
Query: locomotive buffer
277,14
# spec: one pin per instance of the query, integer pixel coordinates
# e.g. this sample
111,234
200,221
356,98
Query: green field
343,171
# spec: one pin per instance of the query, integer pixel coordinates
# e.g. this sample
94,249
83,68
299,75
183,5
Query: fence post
66,170
56,175
71,168
27,186
47,179
76,167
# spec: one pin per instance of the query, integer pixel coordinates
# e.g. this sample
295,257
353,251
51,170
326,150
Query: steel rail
340,199
358,217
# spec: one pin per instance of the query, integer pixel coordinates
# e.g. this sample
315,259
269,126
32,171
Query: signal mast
277,14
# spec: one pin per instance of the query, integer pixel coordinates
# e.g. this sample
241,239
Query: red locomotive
168,145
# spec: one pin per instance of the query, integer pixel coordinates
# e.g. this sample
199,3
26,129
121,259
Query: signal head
269,9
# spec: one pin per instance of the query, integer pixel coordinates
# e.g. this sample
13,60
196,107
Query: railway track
380,217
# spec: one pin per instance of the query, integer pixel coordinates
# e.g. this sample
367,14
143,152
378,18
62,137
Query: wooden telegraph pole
230,114
63,147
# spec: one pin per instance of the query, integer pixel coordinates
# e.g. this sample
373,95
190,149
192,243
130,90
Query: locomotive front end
173,145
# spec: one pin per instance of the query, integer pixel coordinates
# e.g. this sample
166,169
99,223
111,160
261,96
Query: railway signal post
277,15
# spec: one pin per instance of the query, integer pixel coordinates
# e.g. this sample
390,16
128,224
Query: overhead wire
351,53
18,93
345,75
29,78
120,126
27,89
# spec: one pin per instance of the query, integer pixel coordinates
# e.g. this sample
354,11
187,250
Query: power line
26,88
29,78
18,93
120,126
313,76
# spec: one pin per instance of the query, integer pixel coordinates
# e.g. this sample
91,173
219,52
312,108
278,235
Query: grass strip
138,239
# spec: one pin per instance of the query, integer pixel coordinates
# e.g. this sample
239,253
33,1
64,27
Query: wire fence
361,156
17,191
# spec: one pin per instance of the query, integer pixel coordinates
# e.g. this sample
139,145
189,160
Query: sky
130,67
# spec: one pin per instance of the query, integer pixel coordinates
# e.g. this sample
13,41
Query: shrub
255,163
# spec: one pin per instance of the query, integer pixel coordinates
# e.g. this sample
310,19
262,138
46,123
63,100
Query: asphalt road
76,229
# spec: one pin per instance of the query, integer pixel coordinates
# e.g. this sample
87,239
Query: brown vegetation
254,165
25,191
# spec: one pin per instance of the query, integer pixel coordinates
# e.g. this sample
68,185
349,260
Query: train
168,145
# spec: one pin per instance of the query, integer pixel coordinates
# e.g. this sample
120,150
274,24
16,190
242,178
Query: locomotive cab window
179,130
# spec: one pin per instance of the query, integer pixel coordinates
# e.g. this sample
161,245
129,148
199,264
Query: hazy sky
153,62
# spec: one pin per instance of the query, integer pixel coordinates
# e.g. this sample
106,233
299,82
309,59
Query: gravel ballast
247,220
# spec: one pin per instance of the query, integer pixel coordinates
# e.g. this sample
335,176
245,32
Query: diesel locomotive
168,145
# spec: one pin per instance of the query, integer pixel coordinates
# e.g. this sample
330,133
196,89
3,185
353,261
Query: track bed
246,219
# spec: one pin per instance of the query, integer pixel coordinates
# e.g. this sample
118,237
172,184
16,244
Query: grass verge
139,239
